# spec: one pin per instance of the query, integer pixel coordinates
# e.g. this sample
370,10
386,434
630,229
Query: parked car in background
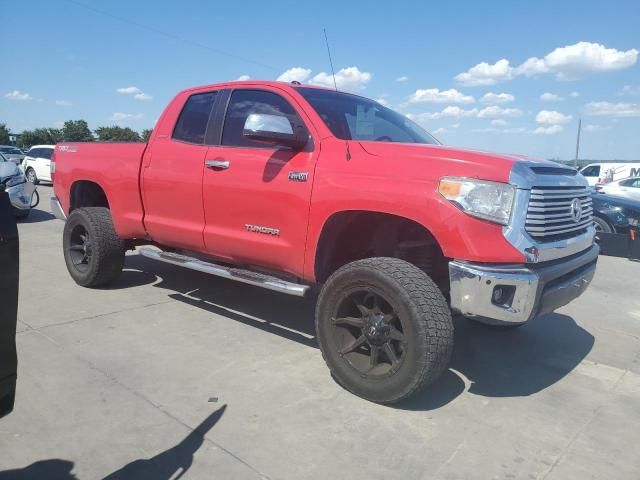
12,154
37,163
627,188
613,214
607,172
20,192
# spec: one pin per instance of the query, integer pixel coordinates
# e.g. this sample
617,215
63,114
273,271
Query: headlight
491,201
15,180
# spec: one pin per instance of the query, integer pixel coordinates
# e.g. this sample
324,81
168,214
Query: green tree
40,136
4,134
146,133
76,131
117,134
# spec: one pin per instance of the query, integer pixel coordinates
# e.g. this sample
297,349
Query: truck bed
112,167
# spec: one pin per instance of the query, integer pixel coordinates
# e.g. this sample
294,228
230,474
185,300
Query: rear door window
34,152
45,153
192,123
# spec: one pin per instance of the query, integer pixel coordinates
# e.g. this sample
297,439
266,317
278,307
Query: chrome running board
237,274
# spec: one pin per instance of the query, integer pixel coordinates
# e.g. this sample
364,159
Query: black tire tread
108,248
434,320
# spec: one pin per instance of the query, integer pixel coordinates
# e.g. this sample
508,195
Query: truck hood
434,161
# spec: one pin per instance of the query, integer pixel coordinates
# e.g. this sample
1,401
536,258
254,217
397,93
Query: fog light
502,295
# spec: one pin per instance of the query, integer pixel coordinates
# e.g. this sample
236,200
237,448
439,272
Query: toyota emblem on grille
576,210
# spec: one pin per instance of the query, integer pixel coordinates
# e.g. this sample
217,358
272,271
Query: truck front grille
558,212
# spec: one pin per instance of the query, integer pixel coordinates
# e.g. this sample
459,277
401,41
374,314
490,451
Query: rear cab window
194,117
591,171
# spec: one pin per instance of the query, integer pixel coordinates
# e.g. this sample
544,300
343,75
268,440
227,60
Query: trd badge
298,176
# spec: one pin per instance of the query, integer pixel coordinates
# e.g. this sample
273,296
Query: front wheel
93,252
384,329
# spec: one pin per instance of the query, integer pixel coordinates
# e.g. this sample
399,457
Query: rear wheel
93,252
384,329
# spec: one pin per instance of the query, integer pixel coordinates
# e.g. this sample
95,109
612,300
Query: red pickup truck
287,186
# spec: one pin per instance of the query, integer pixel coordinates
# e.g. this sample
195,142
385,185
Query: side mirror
274,130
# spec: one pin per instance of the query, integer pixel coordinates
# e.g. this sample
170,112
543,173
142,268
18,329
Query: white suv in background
37,163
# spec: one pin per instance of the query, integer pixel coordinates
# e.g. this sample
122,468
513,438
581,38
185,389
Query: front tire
93,252
384,329
601,225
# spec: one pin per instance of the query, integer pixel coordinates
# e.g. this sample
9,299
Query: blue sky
120,62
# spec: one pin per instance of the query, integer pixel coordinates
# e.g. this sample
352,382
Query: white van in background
608,172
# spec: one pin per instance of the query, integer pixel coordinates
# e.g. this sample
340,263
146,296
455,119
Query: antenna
575,162
333,73
335,85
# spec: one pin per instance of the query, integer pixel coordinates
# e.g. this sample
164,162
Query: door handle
217,164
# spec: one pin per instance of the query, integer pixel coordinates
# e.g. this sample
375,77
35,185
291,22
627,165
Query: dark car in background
613,214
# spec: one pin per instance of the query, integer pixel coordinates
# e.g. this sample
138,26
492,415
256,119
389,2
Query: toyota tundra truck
304,189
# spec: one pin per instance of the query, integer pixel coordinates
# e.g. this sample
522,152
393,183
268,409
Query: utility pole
575,163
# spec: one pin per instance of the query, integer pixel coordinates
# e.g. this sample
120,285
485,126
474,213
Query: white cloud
499,122
350,78
496,98
573,60
121,117
500,130
550,97
143,97
574,94
243,78
128,90
454,111
551,130
609,109
495,111
434,95
18,95
455,125
382,101
486,74
440,131
596,128
551,117
568,63
401,79
633,90
64,103
297,74
136,92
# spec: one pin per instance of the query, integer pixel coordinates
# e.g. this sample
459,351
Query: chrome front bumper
57,210
512,294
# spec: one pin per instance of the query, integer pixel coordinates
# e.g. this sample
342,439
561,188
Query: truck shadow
172,463
494,362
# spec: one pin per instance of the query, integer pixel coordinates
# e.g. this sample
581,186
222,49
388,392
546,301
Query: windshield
350,117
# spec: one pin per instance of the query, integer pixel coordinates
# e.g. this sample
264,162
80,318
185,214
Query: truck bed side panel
115,167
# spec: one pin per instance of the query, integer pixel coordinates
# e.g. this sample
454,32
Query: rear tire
93,252
384,329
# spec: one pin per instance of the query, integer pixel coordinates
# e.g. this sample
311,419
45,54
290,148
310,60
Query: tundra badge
259,229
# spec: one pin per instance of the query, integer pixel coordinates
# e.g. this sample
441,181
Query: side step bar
238,274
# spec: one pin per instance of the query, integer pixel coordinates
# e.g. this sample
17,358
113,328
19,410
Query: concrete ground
171,371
